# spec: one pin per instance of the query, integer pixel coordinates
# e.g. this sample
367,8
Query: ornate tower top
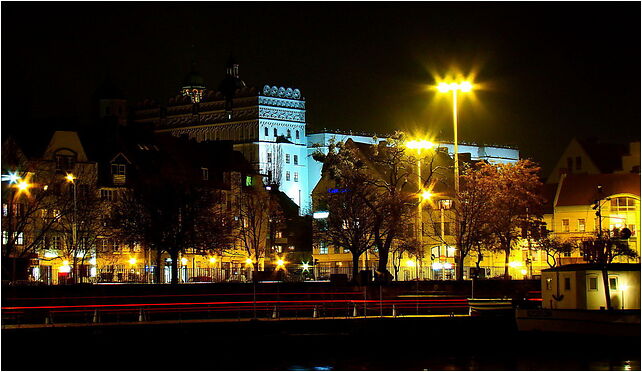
193,85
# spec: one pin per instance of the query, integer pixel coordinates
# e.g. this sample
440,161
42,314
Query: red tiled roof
582,189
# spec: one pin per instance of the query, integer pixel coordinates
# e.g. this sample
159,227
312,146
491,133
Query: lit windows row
296,176
295,158
288,133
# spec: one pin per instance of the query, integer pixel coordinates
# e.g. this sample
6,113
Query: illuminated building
268,126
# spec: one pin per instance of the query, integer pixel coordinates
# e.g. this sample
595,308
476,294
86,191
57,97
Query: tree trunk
159,262
507,255
607,289
383,275
174,256
460,268
355,267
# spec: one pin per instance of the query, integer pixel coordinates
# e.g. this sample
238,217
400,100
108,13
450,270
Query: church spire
193,85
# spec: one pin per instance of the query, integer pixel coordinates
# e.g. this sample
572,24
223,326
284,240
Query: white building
268,126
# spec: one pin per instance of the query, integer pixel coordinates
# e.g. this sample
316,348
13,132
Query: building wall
583,295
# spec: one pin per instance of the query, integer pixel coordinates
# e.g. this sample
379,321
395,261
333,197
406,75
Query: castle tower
193,85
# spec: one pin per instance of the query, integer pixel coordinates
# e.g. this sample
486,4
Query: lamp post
423,195
444,204
463,87
70,178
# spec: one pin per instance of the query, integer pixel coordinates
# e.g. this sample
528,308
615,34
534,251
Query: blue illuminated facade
268,126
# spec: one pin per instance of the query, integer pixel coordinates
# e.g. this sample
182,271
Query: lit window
205,174
323,248
107,195
296,159
287,158
613,283
118,172
581,225
5,237
296,176
622,204
56,243
19,238
592,283
565,225
287,175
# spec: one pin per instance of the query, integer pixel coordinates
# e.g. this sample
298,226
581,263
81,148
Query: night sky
547,71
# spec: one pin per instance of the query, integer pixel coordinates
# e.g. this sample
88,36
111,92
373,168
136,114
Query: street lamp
464,87
444,204
70,178
424,195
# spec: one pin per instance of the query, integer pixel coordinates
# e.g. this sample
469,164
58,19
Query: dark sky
548,71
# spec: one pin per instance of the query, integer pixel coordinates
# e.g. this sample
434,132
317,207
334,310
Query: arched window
275,134
266,131
297,134
289,134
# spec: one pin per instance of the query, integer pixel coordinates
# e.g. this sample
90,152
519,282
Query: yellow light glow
248,261
515,264
65,263
305,266
410,263
524,271
280,262
420,144
132,261
184,261
426,195
70,177
624,287
466,86
443,87
23,185
212,259
45,187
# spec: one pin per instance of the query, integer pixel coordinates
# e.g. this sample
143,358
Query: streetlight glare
419,144
132,261
70,177
12,177
426,195
464,86
23,185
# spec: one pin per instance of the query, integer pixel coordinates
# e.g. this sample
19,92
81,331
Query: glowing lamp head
132,261
280,262
248,261
305,266
12,177
443,87
419,145
426,195
65,263
212,260
466,86
70,177
524,271
23,185
184,261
